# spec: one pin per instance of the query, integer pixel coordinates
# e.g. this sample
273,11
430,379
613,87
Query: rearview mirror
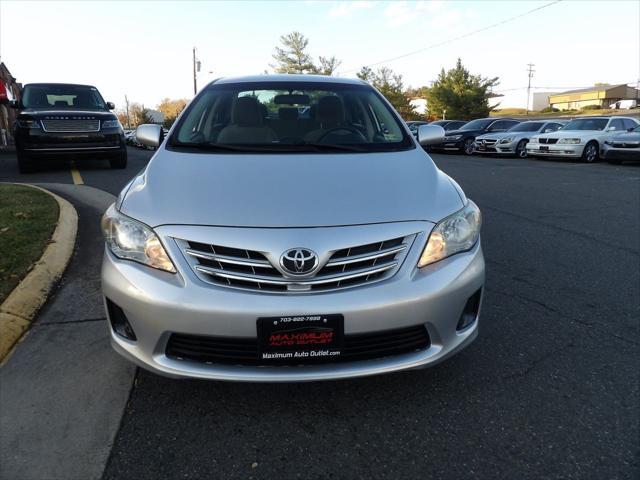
149,135
111,105
430,134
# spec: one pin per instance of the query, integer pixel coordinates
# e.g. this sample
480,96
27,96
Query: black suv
74,121
462,140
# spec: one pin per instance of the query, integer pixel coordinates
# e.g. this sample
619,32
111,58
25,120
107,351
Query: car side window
628,123
617,125
551,127
499,126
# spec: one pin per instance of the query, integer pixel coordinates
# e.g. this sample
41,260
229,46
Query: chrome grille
249,269
626,144
71,126
489,142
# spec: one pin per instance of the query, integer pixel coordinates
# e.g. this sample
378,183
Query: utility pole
126,102
195,84
196,69
530,72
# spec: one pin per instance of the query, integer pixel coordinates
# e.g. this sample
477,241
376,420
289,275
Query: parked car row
589,139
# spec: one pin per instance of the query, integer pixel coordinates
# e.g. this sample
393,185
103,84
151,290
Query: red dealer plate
302,338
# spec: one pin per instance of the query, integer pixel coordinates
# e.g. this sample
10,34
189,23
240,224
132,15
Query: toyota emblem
299,261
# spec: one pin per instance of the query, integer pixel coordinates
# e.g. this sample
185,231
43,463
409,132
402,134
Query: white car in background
580,138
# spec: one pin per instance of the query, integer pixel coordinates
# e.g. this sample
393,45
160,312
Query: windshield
296,116
586,124
62,96
477,124
526,127
637,129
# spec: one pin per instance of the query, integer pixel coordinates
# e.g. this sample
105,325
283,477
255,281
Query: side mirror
149,135
111,105
430,134
14,104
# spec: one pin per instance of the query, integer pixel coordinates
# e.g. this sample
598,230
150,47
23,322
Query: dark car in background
449,125
413,126
72,121
462,140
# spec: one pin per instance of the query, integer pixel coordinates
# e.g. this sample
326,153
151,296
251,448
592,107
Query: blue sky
143,49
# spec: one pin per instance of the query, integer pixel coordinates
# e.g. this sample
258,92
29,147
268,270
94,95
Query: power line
465,35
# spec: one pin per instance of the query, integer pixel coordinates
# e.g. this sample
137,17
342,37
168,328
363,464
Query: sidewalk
64,389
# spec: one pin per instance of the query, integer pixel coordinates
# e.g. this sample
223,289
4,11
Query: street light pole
126,102
195,84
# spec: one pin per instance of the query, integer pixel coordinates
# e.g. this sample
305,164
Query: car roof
57,83
288,77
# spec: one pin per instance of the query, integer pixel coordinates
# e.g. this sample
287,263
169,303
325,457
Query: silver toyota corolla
291,229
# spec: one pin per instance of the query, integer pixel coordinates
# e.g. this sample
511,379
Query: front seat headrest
246,112
330,110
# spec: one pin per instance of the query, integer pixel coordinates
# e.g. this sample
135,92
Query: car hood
289,190
66,113
450,133
497,135
572,133
627,137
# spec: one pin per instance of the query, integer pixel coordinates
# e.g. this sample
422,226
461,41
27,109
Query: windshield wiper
331,146
223,147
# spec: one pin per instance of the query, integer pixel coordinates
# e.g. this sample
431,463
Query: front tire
521,149
590,153
25,163
468,148
119,162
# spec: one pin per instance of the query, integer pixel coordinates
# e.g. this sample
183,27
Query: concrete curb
24,301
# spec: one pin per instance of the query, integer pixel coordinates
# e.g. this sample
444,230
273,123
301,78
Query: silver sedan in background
621,147
514,141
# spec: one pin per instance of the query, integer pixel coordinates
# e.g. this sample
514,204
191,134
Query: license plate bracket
302,338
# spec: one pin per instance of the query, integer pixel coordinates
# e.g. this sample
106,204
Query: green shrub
549,110
591,107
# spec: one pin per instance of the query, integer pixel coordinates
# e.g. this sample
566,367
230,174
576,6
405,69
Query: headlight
456,233
129,239
533,140
453,137
29,123
111,124
569,140
507,140
608,142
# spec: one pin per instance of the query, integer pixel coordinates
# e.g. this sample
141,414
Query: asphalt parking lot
548,390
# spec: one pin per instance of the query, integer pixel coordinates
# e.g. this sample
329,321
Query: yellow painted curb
24,301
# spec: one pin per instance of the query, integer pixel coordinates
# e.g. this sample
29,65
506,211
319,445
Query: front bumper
555,150
157,304
454,145
612,153
45,144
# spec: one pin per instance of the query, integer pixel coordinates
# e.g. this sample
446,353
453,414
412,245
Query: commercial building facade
599,95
